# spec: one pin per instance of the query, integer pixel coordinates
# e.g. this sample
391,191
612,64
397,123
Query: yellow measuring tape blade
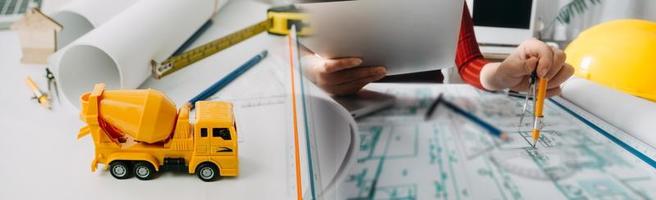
176,63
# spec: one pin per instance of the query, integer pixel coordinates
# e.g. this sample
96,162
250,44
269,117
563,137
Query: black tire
144,170
207,172
120,169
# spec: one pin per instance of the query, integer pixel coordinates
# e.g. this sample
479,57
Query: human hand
515,71
342,76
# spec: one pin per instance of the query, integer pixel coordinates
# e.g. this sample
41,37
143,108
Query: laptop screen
503,13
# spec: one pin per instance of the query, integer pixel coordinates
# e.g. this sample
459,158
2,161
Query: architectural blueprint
402,156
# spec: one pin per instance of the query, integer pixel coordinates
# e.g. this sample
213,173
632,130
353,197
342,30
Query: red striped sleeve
469,59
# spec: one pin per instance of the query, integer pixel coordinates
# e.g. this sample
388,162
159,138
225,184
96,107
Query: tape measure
279,21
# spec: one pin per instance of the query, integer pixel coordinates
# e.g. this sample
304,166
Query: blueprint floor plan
402,156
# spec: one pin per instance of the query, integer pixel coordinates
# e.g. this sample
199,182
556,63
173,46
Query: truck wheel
207,172
120,169
144,170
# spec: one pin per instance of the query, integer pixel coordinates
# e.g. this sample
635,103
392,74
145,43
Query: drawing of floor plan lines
401,156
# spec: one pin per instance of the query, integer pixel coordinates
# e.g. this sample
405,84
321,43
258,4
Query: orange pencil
39,95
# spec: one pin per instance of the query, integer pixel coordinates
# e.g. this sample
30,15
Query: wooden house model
38,36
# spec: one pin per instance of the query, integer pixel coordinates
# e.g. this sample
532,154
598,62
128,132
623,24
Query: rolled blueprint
333,141
328,134
119,52
81,16
633,115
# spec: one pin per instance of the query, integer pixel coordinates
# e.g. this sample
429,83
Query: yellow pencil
539,105
40,96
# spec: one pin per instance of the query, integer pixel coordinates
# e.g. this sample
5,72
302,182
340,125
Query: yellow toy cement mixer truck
139,132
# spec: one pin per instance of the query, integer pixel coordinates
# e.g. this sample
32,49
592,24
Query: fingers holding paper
343,76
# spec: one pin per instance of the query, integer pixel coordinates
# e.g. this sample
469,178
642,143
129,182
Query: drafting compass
52,83
529,96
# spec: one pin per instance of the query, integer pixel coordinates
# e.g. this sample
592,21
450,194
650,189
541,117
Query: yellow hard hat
620,54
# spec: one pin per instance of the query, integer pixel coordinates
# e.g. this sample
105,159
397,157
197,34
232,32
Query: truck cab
216,152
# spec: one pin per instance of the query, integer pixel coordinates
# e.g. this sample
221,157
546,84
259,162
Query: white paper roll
119,52
633,115
334,140
81,16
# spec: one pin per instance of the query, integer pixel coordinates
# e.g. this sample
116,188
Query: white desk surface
42,159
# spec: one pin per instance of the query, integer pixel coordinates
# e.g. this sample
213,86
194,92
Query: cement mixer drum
145,115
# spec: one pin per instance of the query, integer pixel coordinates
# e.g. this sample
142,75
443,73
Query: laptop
501,25
12,10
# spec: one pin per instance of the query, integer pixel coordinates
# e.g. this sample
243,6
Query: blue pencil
228,78
491,129
193,38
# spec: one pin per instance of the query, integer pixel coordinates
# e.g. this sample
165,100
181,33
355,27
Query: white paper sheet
81,16
633,115
333,132
405,36
119,52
